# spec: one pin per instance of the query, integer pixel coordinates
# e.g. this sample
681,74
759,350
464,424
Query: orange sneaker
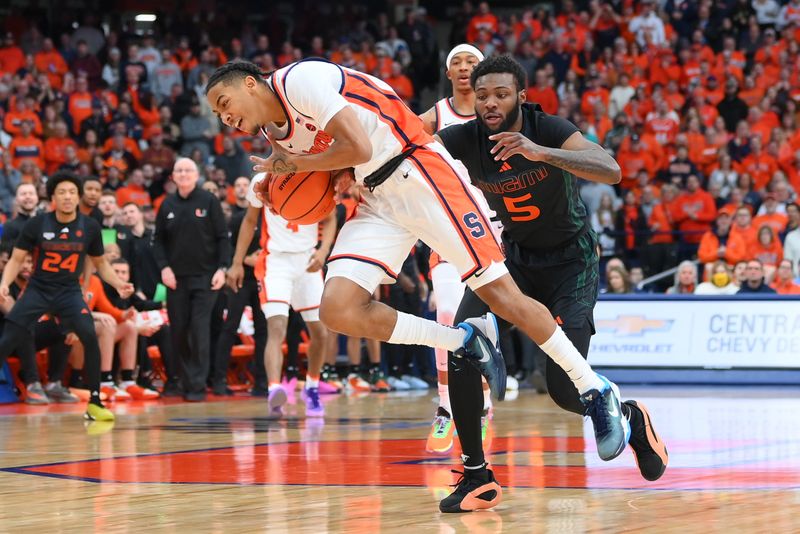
137,392
114,393
440,438
357,384
475,490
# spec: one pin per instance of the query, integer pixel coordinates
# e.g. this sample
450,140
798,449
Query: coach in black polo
192,250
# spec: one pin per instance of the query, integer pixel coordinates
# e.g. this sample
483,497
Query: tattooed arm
351,147
577,155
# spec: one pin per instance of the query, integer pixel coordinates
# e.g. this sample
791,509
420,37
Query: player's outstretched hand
235,277
125,290
218,280
513,143
168,278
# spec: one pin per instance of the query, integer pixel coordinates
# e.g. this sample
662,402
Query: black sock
75,378
126,375
374,368
466,401
107,376
355,369
94,398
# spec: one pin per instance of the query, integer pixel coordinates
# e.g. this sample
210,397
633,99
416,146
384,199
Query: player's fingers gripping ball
301,197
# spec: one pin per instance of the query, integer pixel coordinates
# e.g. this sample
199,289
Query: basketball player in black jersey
526,163
59,242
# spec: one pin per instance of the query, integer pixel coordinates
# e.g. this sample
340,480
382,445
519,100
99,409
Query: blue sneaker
611,428
482,349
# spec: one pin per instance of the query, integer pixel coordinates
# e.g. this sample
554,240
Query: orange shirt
546,97
11,59
769,255
748,234
735,249
752,97
130,146
55,152
785,288
702,205
402,86
760,166
80,108
776,221
631,163
13,121
97,300
661,225
663,128
591,96
52,64
481,22
26,148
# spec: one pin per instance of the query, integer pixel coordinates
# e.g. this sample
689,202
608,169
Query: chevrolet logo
634,325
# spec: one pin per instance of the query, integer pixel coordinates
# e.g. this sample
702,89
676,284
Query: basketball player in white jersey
448,289
289,273
320,116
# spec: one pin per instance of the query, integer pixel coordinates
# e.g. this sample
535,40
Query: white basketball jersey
446,114
278,234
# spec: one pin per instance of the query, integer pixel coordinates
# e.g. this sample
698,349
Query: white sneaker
414,382
512,384
398,384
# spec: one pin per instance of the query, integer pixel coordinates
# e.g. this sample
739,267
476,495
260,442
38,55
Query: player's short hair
503,64
234,70
92,178
119,261
63,176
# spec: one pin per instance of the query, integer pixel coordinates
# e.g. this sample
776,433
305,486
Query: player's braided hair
234,70
504,64
64,176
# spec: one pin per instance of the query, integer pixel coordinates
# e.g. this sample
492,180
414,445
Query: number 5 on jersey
519,211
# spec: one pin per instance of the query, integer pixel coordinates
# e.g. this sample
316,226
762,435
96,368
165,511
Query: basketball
303,197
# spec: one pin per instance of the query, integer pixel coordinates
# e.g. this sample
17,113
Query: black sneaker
651,453
482,349
476,490
172,389
221,390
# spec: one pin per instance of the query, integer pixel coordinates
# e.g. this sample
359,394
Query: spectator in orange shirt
634,159
759,164
743,225
594,93
767,249
26,147
663,123
543,93
719,244
49,61
483,20
14,119
694,213
784,283
55,147
80,104
400,83
134,190
771,214
11,57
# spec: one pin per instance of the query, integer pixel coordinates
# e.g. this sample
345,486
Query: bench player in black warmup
526,162
59,242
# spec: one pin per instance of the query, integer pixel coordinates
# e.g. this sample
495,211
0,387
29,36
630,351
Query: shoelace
461,477
598,415
440,422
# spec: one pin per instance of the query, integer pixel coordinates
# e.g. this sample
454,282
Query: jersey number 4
519,211
53,262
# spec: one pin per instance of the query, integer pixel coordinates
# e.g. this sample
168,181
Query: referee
192,250
526,163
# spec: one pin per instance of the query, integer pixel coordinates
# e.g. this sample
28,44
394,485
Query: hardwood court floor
221,466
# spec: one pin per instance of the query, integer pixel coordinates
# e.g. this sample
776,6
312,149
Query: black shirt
58,249
191,235
145,273
539,204
11,231
235,226
124,240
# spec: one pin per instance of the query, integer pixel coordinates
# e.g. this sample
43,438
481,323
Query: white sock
444,398
412,330
487,398
564,353
312,382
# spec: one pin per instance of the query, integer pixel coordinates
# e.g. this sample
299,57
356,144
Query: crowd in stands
697,100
